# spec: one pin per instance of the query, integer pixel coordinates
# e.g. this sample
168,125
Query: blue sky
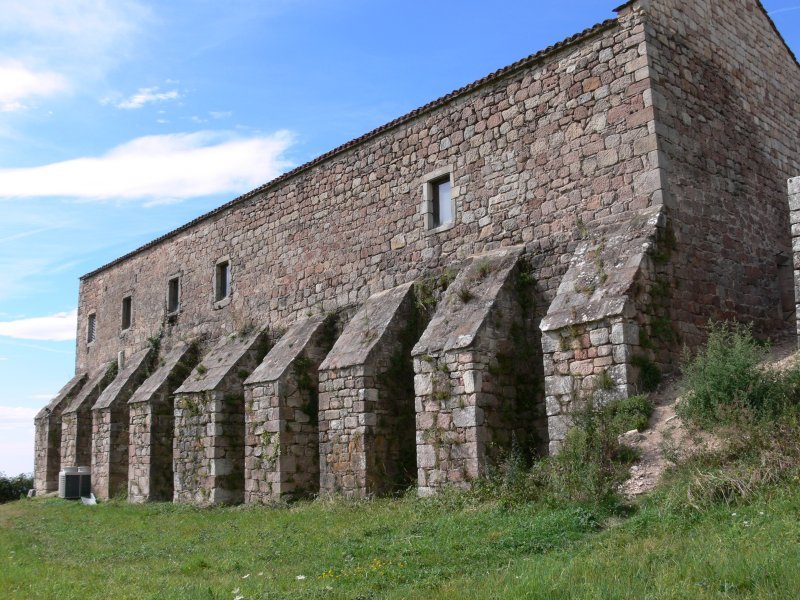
122,119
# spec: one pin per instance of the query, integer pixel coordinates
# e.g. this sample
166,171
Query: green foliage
725,381
304,376
649,373
12,488
465,295
588,469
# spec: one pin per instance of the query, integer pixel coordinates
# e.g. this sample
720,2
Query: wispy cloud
15,417
55,328
51,46
784,10
158,168
147,96
2,358
18,84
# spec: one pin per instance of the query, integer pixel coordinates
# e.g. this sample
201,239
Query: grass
53,548
402,548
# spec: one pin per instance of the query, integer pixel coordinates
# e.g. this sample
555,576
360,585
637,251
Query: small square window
174,295
127,312
441,202
91,329
222,281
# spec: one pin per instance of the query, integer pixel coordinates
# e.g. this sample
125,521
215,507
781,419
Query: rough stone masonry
405,308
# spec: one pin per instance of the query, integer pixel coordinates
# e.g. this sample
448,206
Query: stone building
405,308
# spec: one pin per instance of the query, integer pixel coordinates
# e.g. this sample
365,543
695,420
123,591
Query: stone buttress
794,217
110,418
609,323
366,402
281,415
152,426
47,460
76,419
209,422
477,381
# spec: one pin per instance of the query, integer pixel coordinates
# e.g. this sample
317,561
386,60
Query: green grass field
402,548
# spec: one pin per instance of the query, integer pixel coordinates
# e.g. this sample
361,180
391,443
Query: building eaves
487,80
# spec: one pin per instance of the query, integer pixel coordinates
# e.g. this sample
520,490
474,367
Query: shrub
12,488
725,381
589,467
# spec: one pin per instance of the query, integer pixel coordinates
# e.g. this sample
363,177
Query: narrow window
91,329
173,295
127,307
223,280
441,202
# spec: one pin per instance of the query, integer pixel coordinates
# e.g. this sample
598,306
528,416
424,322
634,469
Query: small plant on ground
725,381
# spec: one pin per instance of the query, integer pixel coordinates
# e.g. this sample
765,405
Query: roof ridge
443,100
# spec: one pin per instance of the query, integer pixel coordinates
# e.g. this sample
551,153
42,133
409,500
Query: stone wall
725,91
557,140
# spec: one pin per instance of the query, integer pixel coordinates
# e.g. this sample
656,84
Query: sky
121,120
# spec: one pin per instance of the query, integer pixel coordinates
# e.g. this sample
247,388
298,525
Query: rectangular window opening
127,314
223,280
91,329
173,295
441,202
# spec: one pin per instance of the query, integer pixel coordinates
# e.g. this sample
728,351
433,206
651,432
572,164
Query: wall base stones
282,412
209,422
47,459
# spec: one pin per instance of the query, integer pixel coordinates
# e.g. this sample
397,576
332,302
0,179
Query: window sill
441,228
222,303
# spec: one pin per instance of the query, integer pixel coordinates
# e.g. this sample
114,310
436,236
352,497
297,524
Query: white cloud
2,358
16,417
147,95
158,168
53,46
40,397
56,328
19,83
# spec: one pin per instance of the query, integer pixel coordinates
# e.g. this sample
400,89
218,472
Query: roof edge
425,109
